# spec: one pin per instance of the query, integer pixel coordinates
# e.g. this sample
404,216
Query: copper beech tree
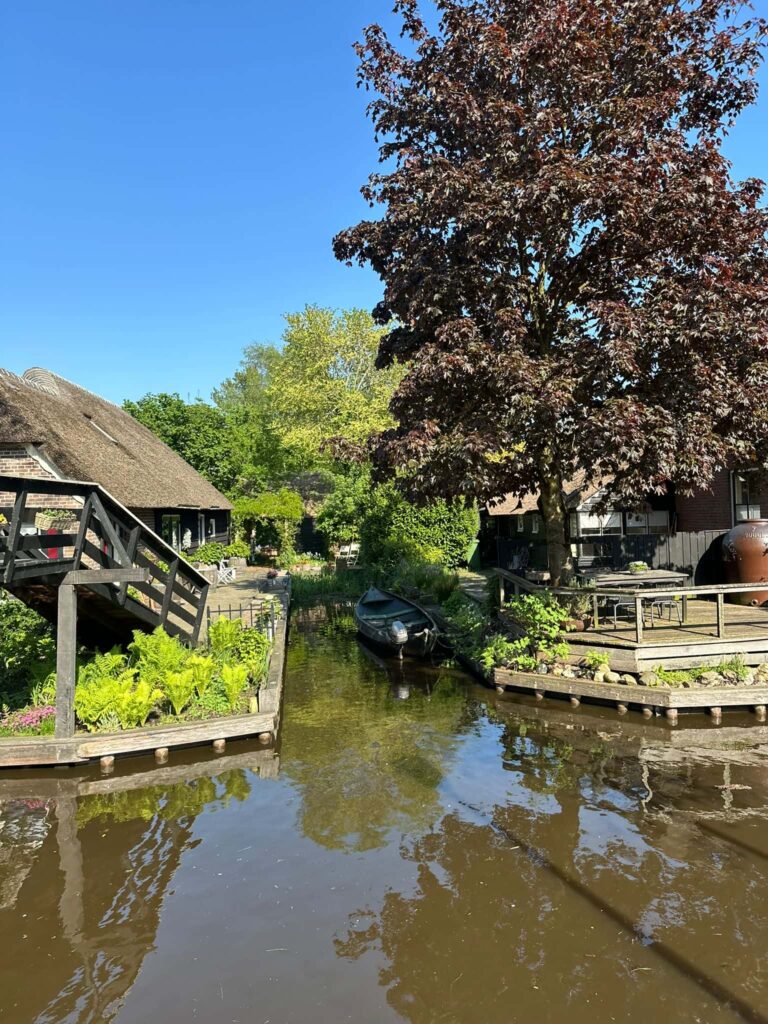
571,275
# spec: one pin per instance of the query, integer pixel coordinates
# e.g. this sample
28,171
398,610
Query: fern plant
224,637
156,654
134,704
202,670
179,688
98,696
234,678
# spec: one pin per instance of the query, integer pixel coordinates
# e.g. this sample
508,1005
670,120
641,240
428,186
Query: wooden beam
133,544
173,568
720,616
82,530
14,535
92,577
639,619
66,661
121,555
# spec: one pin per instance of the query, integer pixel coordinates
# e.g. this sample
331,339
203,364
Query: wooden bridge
103,535
99,577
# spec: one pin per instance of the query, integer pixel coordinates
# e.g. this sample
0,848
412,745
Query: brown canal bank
427,852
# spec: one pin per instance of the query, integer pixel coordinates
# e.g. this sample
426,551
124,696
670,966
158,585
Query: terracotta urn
745,555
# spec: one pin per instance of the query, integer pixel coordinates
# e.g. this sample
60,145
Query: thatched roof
576,492
88,438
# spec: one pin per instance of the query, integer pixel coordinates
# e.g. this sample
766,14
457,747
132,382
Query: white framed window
656,522
589,524
746,497
212,527
171,531
534,524
520,524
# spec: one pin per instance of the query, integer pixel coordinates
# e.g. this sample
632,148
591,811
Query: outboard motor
398,635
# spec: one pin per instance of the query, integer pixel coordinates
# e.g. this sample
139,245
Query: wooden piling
107,764
647,711
671,714
575,701
717,715
499,689
219,746
265,737
539,694
760,711
161,755
622,709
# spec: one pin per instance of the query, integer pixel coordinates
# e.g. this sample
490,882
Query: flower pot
62,522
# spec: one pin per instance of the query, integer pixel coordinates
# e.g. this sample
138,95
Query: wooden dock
665,700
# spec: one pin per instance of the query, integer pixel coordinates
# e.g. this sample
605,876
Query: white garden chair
227,574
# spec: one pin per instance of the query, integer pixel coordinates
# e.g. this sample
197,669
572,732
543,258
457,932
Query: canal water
421,850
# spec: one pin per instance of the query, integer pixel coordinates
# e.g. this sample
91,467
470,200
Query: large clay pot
745,554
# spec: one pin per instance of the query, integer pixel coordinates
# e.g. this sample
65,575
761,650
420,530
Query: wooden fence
698,554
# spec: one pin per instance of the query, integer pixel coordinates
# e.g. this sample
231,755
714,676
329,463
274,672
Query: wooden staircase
102,536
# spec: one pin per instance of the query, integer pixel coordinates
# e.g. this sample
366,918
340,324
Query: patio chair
668,603
626,605
227,574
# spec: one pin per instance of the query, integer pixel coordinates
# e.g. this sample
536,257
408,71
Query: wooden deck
712,628
670,644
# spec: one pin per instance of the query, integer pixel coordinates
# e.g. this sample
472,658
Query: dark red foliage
571,273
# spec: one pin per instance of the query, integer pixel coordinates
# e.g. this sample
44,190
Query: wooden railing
103,535
639,596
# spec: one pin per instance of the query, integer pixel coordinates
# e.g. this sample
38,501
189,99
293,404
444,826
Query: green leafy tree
198,432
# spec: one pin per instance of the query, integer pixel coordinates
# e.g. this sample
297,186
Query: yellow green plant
179,688
202,670
133,705
234,678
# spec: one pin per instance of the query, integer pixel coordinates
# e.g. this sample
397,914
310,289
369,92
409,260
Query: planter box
237,563
62,523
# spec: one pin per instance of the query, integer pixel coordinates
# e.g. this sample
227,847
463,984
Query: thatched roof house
53,428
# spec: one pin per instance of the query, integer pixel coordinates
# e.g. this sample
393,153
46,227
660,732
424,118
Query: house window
588,524
520,524
200,528
171,531
534,524
212,527
746,497
655,522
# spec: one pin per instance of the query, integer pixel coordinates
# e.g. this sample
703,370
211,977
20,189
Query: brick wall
706,510
712,509
16,461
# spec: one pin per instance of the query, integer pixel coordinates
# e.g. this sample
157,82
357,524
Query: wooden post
717,715
760,711
671,714
647,711
721,616
219,746
622,709
502,592
161,755
66,660
595,616
639,619
575,701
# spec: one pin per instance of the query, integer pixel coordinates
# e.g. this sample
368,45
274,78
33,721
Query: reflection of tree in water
531,907
94,896
364,761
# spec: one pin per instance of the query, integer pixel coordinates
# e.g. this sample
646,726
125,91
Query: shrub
134,703
539,617
234,679
97,695
179,688
596,661
210,554
27,649
440,531
237,549
29,721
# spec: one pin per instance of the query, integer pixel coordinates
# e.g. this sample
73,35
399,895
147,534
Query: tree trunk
555,518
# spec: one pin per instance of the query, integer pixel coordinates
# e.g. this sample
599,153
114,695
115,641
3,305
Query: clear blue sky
172,173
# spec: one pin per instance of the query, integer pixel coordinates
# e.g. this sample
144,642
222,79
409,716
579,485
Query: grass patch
678,677
309,587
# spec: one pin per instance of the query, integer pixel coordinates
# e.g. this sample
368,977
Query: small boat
393,622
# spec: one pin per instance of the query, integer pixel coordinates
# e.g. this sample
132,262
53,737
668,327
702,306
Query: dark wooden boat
396,624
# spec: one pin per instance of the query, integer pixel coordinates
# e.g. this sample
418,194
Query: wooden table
612,580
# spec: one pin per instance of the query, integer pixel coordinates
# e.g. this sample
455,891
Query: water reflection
430,853
367,742
84,870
